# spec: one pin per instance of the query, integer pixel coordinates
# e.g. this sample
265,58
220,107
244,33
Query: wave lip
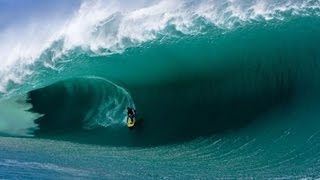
15,117
107,28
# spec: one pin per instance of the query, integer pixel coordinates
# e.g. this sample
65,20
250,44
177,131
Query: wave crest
106,28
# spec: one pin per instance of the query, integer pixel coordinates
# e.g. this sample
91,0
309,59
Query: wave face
239,80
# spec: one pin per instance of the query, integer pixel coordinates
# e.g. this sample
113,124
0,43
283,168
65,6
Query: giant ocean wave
245,74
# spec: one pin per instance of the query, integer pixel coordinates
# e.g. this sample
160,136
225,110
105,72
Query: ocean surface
224,89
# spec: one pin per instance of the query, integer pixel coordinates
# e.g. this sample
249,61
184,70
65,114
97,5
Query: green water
234,103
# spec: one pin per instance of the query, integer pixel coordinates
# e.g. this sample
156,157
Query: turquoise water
229,96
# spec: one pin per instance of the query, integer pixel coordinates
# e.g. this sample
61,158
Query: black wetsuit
131,112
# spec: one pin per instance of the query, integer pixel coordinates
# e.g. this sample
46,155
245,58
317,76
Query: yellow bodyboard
131,122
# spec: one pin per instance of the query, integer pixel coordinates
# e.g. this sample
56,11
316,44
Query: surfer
131,117
131,112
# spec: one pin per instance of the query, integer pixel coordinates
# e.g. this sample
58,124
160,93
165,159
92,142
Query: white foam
113,105
20,47
15,119
101,27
